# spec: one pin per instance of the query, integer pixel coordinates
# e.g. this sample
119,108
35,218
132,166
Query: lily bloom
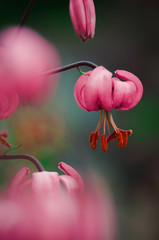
52,206
98,90
83,18
26,55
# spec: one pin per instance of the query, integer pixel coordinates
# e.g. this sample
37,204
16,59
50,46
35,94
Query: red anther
104,143
97,134
92,140
129,132
4,142
125,138
119,139
112,137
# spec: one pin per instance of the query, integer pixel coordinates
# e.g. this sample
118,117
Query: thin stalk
113,123
70,66
25,16
24,156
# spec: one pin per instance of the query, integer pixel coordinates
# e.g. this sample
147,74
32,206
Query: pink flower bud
25,57
83,18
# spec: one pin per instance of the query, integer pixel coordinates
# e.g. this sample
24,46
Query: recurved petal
138,85
70,184
45,183
105,88
17,182
79,91
123,94
9,102
98,90
68,170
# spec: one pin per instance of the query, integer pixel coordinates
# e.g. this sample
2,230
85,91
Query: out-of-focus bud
25,57
83,18
60,207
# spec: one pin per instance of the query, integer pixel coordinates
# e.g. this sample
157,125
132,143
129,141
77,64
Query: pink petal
17,182
9,102
83,18
94,92
79,91
68,170
90,18
123,94
139,89
105,88
70,183
45,183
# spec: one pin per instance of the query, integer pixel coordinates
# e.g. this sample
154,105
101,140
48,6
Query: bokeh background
127,37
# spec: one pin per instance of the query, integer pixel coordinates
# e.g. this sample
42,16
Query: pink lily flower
83,18
98,90
26,55
41,208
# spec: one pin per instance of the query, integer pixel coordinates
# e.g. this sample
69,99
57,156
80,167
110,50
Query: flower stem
70,66
25,16
24,156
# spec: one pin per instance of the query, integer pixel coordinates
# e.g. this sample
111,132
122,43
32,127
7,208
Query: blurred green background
127,37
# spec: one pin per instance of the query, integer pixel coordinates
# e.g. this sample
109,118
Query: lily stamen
106,118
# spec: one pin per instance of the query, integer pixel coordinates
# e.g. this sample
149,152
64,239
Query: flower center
106,118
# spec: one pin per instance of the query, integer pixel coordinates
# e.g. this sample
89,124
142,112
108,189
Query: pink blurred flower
25,57
9,101
98,90
83,18
49,210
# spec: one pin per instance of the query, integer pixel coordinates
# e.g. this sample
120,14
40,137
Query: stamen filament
112,122
104,116
99,123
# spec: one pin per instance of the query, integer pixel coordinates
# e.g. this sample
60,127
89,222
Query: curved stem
25,16
24,156
70,66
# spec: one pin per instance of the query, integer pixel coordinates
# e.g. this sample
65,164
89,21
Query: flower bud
83,18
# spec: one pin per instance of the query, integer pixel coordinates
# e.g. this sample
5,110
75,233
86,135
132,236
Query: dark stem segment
70,66
25,16
23,156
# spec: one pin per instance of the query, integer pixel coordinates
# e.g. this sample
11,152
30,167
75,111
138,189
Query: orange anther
129,132
125,138
104,143
97,135
4,142
92,140
119,139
